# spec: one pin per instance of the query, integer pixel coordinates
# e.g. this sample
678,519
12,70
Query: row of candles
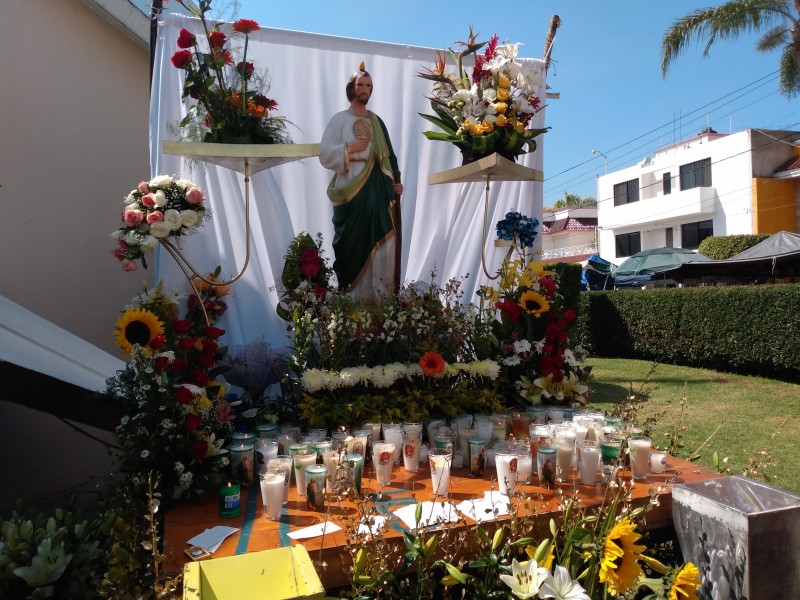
552,440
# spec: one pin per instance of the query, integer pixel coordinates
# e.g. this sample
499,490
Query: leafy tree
777,20
573,200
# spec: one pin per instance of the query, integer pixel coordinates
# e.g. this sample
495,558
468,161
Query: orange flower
431,363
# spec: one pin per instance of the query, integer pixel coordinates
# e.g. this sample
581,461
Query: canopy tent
443,229
597,274
656,260
776,257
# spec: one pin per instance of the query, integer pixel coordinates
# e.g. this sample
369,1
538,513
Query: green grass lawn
752,414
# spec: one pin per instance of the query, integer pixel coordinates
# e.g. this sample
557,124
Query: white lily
525,578
46,567
561,586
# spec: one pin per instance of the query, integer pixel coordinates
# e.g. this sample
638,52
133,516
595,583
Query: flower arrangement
156,210
230,102
491,110
178,416
534,324
306,276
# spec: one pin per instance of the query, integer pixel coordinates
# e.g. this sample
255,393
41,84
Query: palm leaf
438,136
440,123
774,38
789,73
441,110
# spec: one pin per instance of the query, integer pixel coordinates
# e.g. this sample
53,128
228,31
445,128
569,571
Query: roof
570,224
792,164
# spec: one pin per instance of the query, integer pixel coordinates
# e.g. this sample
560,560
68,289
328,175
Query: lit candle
230,504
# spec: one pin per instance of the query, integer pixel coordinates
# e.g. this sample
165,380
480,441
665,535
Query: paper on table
371,525
211,539
433,513
487,508
314,530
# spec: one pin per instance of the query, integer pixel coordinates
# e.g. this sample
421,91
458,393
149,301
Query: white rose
159,198
161,181
189,218
148,243
118,234
184,184
132,238
159,230
172,218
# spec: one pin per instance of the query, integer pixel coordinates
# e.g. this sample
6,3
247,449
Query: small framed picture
197,553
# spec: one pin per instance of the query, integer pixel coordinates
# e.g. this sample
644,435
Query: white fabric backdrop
442,224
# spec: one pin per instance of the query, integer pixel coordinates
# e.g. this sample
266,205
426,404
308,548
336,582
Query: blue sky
606,68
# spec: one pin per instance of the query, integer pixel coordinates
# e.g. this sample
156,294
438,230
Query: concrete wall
74,132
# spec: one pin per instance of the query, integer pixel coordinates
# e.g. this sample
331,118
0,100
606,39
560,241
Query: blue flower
518,228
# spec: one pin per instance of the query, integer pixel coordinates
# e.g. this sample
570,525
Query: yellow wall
774,205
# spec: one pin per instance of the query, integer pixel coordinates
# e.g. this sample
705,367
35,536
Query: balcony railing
569,251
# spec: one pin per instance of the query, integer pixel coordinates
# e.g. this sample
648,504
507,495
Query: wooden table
257,533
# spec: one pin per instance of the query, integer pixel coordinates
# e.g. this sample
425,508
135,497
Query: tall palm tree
778,20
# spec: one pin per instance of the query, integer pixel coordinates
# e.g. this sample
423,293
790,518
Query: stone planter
742,534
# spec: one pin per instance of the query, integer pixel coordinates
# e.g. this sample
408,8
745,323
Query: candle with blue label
230,503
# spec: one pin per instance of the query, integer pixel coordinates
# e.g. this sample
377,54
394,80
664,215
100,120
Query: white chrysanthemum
186,479
312,380
569,358
512,361
179,468
521,346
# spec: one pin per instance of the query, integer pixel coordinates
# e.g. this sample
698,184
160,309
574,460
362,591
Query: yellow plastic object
279,574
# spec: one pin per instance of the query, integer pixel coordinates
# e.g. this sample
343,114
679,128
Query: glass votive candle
315,486
520,422
476,456
411,443
355,470
588,461
440,460
243,437
639,449
267,430
242,457
413,427
463,419
483,425
505,460
375,430
465,433
658,461
301,460
538,414
230,500
358,442
331,459
272,494
564,450
393,434
499,428
546,466
321,446
555,414
266,449
282,465
524,462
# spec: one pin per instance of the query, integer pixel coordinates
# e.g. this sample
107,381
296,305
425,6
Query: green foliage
721,247
573,201
569,283
400,403
748,330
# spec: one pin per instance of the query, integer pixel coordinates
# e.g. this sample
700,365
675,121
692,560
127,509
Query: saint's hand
398,189
357,145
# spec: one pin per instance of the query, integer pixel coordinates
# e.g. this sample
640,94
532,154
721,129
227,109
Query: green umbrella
657,260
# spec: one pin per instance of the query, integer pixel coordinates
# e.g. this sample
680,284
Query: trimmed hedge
721,247
753,330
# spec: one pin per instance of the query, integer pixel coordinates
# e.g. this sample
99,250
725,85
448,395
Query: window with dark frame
667,183
628,244
694,233
696,174
626,192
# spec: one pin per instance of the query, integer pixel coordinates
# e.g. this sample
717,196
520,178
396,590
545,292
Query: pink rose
129,265
155,217
148,200
132,217
143,187
195,196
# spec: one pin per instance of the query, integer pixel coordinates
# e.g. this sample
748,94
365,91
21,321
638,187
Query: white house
569,234
710,184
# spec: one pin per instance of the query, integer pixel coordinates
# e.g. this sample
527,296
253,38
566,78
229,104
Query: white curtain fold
442,224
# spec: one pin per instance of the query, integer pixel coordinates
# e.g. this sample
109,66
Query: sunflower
431,363
137,326
619,567
685,584
533,303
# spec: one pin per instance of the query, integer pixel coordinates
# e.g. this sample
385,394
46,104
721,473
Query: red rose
216,39
209,346
552,332
181,58
191,422
200,378
158,341
186,39
548,285
245,26
179,365
199,450
206,361
186,343
248,69
320,291
546,365
570,315
183,396
558,376
309,262
508,308
214,332
181,325
161,364
562,323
